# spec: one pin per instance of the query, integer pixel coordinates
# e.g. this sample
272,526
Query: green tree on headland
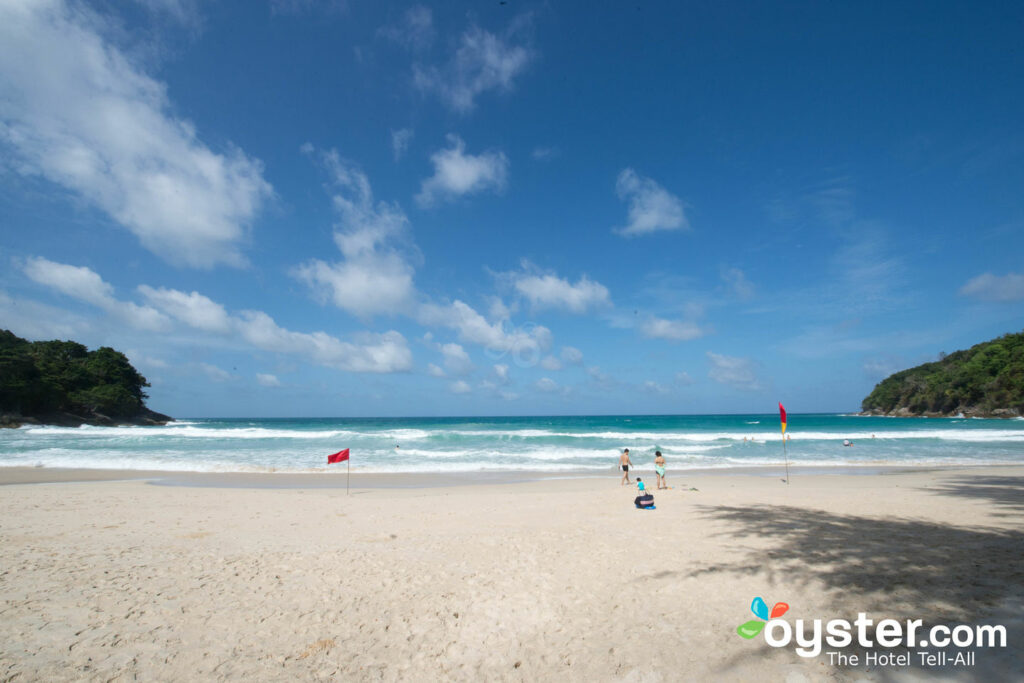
985,380
38,379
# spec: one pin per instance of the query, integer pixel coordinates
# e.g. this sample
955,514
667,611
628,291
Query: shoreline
21,475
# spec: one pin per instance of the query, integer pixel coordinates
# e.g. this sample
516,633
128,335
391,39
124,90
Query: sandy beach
224,578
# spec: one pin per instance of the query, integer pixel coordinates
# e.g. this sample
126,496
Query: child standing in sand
659,469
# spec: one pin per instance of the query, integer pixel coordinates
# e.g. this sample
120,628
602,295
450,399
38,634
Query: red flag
782,416
340,456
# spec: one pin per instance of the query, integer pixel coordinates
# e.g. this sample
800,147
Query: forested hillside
986,380
63,382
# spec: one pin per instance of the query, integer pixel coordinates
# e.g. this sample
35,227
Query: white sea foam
555,445
193,431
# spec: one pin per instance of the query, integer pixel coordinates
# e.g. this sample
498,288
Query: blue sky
299,208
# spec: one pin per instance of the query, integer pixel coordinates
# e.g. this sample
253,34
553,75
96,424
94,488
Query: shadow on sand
1005,494
899,568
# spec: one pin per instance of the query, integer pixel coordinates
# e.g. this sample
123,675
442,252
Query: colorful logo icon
760,609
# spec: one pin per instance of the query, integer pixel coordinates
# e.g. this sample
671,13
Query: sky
344,208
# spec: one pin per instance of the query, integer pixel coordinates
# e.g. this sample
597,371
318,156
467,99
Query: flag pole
786,454
348,472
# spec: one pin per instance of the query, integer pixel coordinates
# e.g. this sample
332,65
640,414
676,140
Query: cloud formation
368,352
193,309
456,360
85,285
400,140
551,363
737,283
457,174
78,112
373,277
474,328
546,384
989,287
482,61
672,330
415,31
651,207
266,380
738,373
551,291
572,355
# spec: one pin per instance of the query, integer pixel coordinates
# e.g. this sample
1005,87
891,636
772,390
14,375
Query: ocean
494,444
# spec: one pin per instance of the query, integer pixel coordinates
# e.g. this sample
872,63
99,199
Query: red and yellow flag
782,416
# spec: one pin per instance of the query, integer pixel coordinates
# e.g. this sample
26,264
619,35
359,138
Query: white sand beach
545,580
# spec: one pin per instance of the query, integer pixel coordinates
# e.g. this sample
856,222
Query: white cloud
195,310
367,285
141,360
482,62
434,370
456,359
550,291
79,112
683,379
543,153
374,277
457,173
651,207
79,282
415,31
460,387
551,363
989,287
215,373
546,384
737,283
501,370
732,371
673,330
369,352
400,140
498,310
474,328
652,387
267,380
572,355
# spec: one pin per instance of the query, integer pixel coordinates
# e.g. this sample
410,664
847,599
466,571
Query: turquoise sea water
553,444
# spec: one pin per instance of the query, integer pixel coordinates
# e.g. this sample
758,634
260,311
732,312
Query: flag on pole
340,456
782,418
